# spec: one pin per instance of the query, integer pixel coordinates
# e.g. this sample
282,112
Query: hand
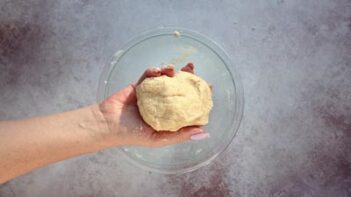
127,127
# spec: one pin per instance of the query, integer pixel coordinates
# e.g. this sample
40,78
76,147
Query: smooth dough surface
170,103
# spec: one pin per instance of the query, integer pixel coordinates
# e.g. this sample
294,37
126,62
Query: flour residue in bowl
185,53
177,34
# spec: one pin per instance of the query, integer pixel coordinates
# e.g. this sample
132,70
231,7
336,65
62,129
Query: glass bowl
180,46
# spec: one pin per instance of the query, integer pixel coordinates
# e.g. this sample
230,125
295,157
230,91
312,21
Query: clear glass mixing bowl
163,46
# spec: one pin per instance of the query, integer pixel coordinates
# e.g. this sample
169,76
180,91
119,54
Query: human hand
126,126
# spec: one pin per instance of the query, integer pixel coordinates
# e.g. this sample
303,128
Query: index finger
150,72
156,72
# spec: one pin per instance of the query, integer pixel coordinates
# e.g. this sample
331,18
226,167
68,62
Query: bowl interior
162,47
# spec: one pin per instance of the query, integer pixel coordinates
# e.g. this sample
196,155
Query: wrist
103,136
108,123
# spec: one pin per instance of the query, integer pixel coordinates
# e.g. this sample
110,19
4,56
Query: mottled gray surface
294,58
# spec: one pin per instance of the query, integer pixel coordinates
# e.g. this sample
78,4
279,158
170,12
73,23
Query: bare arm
29,144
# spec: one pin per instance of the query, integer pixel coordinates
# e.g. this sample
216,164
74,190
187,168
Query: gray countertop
294,58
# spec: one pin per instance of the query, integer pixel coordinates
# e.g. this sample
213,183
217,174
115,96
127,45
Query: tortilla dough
170,103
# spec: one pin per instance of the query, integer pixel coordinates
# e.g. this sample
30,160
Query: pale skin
29,144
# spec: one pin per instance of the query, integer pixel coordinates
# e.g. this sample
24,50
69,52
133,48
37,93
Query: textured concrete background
294,58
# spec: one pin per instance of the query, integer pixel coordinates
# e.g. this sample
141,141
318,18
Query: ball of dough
170,103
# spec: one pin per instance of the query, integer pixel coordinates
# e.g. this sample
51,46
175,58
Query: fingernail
157,71
191,65
200,136
168,66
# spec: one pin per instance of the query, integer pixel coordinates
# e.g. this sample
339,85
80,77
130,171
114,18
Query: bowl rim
216,48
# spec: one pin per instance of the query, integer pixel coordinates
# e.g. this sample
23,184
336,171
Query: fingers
187,133
168,70
150,72
128,94
188,68
156,72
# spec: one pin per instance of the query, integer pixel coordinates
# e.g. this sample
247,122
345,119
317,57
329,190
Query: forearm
29,144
